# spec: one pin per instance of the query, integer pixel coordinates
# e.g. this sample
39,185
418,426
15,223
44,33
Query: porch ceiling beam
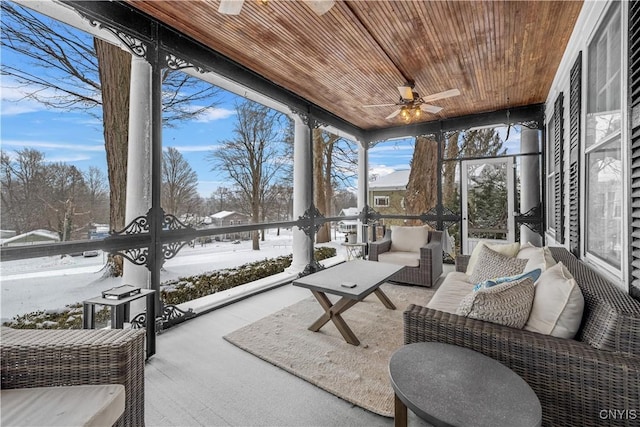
515,115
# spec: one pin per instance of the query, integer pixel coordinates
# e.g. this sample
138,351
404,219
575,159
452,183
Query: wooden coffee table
353,281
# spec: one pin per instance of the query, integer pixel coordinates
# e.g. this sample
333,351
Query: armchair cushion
411,259
409,239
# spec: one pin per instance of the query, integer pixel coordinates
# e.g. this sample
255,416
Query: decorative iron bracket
176,63
136,46
369,215
140,225
532,219
310,227
171,316
313,267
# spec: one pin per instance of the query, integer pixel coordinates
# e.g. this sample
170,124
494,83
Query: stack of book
120,292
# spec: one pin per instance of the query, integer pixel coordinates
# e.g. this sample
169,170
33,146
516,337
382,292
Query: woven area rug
357,374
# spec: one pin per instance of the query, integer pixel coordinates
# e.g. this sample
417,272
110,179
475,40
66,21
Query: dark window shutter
558,144
634,149
575,112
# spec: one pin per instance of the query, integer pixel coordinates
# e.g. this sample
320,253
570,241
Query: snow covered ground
51,283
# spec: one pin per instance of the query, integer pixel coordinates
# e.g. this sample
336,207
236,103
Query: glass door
487,202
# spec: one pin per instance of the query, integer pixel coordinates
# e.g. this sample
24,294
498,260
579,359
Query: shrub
188,288
172,292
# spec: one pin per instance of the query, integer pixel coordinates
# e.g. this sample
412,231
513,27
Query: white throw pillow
557,305
409,239
538,257
508,249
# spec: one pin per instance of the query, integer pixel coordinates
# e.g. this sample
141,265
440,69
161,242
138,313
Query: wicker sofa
592,380
48,358
429,267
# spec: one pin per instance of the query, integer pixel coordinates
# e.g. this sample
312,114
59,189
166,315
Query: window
550,176
381,201
604,186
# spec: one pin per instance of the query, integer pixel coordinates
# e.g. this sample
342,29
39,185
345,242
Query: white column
302,197
138,165
363,184
529,181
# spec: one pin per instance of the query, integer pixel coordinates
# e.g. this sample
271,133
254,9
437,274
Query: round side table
448,385
354,250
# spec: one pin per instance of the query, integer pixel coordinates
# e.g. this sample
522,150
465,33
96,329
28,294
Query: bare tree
77,72
65,200
97,194
253,158
23,183
334,162
179,184
37,194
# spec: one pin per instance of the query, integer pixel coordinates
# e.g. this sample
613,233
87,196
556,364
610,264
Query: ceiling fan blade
406,92
320,7
379,105
230,7
392,115
430,108
441,95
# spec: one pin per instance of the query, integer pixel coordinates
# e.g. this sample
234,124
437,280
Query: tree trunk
328,187
114,66
319,195
422,192
449,190
255,214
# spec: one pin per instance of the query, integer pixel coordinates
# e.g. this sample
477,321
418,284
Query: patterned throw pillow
534,274
492,264
506,304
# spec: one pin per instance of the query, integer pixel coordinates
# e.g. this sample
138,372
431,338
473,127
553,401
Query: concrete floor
196,378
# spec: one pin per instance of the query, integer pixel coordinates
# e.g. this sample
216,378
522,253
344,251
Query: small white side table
354,250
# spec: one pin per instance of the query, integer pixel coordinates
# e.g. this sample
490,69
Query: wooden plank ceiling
499,54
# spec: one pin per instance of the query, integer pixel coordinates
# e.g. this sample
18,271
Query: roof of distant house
224,214
396,180
349,212
46,234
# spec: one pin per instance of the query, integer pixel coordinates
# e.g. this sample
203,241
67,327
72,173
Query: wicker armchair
430,267
46,358
592,380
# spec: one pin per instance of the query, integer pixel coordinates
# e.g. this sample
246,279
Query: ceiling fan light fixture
320,7
230,7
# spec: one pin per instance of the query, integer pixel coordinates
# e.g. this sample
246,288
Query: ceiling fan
412,105
233,7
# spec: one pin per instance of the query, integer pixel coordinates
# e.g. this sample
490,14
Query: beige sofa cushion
538,257
558,304
452,290
508,249
409,239
410,259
